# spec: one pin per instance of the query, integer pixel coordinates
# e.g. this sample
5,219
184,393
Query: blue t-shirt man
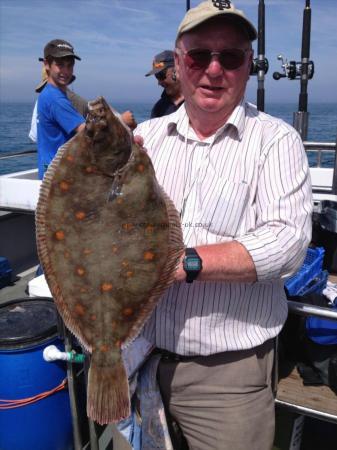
57,122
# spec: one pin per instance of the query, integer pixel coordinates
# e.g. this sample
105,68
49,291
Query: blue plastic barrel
27,326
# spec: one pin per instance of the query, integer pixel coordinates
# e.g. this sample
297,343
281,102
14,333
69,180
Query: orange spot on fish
80,215
120,201
149,256
149,229
125,263
83,290
70,158
140,168
79,309
129,274
87,251
127,312
106,287
104,348
59,235
127,226
93,317
114,249
90,169
80,271
64,186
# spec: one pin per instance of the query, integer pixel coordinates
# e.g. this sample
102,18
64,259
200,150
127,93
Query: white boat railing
321,148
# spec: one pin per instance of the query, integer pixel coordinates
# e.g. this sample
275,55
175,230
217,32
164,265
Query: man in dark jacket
163,70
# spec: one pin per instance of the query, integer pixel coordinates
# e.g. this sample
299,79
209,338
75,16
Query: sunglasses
161,75
200,58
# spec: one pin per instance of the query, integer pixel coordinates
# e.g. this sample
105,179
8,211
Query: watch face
192,263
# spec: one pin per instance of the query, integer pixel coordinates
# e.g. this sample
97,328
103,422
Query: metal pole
261,56
72,393
302,116
94,444
334,179
303,99
304,309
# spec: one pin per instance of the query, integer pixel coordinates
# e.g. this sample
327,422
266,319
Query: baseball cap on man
161,62
213,8
58,48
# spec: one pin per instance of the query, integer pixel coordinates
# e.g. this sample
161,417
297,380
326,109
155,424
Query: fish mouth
96,121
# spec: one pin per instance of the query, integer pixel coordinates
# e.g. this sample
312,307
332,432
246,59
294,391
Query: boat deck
317,400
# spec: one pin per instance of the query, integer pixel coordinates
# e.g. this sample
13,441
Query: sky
117,40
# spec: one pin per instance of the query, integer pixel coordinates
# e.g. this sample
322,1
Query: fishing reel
293,69
259,64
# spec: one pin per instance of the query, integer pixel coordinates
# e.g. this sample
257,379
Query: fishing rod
188,5
15,154
303,71
260,65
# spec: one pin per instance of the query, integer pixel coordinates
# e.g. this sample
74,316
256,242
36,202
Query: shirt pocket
222,204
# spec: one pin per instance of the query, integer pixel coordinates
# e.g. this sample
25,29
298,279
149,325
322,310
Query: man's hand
139,140
129,120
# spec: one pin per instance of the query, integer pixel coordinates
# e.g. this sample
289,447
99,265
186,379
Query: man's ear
46,66
176,64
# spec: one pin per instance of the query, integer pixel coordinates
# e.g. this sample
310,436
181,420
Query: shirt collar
179,122
238,118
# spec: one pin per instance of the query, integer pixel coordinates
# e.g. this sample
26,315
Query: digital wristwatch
192,264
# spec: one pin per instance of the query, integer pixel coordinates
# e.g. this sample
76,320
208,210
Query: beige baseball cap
213,8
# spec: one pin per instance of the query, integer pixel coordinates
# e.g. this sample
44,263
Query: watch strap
191,275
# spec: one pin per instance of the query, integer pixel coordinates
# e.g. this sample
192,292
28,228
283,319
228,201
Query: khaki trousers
220,402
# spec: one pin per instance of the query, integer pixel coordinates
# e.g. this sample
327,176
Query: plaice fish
109,240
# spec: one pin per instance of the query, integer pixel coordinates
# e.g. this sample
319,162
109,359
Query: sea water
15,120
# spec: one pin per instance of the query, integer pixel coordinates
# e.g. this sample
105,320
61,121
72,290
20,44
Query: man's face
213,89
166,81
60,71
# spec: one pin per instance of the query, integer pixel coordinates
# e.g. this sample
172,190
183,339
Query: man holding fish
57,119
240,180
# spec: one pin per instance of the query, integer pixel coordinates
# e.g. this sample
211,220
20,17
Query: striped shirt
248,182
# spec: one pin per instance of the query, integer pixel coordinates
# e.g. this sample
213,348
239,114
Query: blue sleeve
66,115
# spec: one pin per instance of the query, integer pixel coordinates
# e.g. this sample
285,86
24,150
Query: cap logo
158,65
64,46
222,4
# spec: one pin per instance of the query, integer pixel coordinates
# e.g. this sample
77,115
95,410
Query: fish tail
108,393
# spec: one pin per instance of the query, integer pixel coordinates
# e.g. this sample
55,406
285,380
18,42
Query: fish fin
167,276
108,393
42,249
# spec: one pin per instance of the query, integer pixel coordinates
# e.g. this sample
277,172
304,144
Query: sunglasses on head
200,58
161,75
